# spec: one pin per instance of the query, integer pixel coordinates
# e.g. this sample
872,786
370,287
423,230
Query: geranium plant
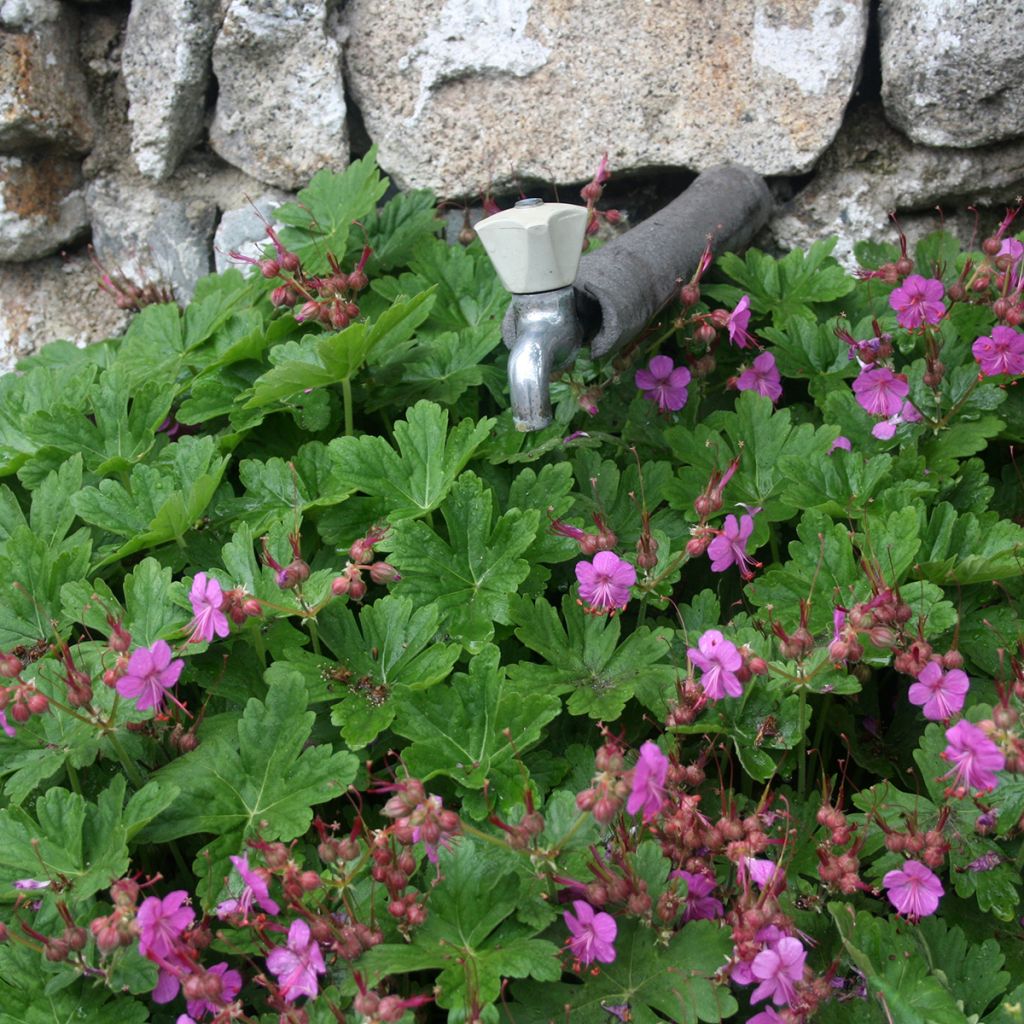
329,696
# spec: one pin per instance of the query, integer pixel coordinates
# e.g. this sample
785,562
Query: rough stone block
951,71
280,113
42,90
460,93
42,206
166,68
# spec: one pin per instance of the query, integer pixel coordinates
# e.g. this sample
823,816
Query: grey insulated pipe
620,287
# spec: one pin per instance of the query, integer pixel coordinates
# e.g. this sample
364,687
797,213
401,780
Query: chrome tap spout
547,335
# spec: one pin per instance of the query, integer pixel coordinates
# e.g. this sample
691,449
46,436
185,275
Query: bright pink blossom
841,443
230,986
939,694
885,429
664,383
764,873
593,934
149,674
737,324
605,582
719,660
648,792
880,391
730,546
298,964
207,601
161,922
777,968
975,758
5,725
914,890
918,301
254,890
769,1015
762,376
1002,353
700,904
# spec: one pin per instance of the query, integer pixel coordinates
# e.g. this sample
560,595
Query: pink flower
255,889
1001,353
150,672
593,934
230,986
880,391
664,383
605,583
428,821
737,324
777,968
700,904
730,546
975,758
649,774
762,376
768,1015
764,873
718,660
941,694
297,965
914,891
842,443
887,428
5,725
161,922
918,301
207,601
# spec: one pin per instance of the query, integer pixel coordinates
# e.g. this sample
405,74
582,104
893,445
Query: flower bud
10,666
605,810
357,590
281,296
269,268
991,246
38,703
952,659
289,261
340,585
357,280
904,266
382,572
705,334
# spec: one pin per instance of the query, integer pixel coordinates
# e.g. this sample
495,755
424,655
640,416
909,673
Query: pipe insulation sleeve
622,286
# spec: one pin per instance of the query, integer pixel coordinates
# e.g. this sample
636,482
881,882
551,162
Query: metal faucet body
621,286
547,334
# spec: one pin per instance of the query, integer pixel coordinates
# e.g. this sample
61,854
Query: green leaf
322,217
415,479
151,612
34,571
71,838
472,729
897,975
468,935
392,651
788,287
259,777
656,983
585,658
401,228
969,548
472,575
161,501
25,998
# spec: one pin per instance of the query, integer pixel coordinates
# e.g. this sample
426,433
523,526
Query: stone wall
152,128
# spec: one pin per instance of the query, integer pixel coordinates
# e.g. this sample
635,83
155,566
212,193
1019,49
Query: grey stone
951,71
872,169
49,299
244,230
42,90
26,14
42,206
462,93
162,232
166,67
280,112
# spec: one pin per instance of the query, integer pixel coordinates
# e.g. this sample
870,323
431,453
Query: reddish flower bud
38,703
689,294
10,666
382,572
357,590
281,296
288,261
269,268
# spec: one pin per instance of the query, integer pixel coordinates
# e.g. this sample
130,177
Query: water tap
535,248
607,299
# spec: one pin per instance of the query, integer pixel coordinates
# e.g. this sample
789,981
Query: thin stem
130,767
314,636
73,777
801,764
346,397
257,642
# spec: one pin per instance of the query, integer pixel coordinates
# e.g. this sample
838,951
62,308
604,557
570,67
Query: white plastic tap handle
535,246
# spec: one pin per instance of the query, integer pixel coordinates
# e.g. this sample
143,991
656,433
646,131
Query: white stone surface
42,206
166,68
951,71
244,230
872,170
462,93
280,113
42,90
